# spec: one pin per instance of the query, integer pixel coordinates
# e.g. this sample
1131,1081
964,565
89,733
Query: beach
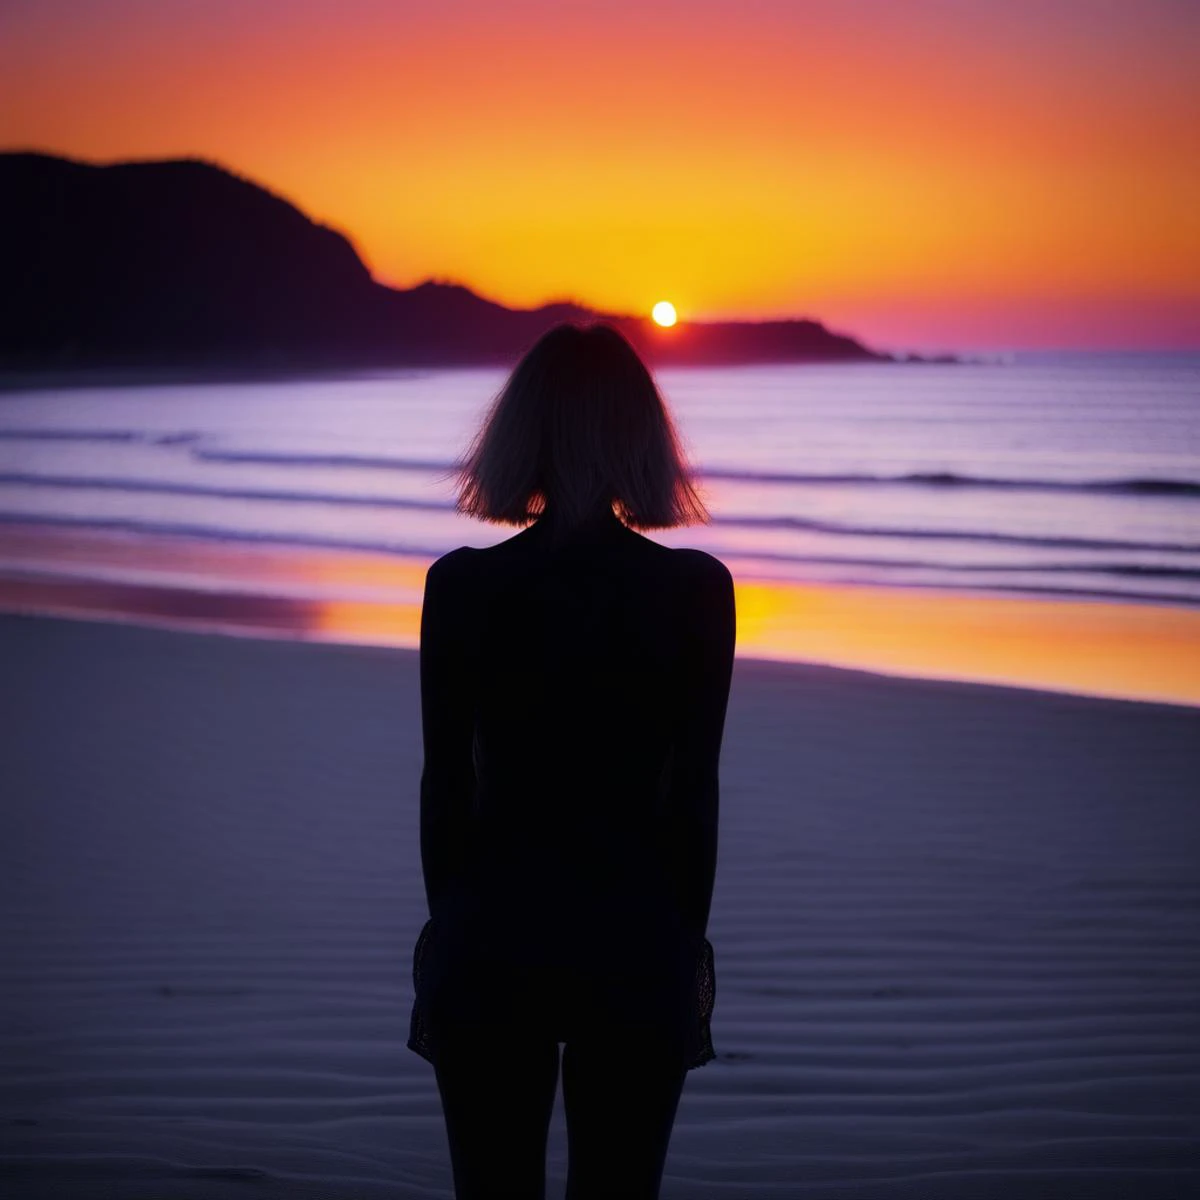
955,928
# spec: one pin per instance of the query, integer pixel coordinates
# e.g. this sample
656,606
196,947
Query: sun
664,313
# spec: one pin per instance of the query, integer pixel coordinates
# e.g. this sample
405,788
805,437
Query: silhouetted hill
182,264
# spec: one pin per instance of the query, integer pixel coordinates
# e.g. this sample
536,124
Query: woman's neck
599,522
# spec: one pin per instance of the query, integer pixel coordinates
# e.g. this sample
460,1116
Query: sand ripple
956,932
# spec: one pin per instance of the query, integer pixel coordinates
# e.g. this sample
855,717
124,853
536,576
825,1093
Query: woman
574,681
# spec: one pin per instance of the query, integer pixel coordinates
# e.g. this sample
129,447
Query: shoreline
16,380
286,634
746,663
1126,650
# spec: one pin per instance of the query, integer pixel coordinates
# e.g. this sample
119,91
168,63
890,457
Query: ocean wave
1136,485
1131,486
168,488
374,462
71,435
221,533
947,570
1121,569
99,435
1119,486
1055,541
730,520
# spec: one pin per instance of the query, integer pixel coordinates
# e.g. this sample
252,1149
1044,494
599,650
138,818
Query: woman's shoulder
700,561
702,567
454,565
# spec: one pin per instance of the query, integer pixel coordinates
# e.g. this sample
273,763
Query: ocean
1061,476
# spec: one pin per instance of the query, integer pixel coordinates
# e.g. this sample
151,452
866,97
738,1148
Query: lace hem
700,1050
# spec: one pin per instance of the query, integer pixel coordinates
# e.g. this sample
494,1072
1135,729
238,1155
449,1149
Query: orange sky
928,174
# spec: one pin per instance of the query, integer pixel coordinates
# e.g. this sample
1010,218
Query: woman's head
579,428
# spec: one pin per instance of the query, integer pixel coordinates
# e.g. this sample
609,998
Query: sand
957,933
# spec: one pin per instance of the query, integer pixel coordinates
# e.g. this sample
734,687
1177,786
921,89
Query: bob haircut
578,429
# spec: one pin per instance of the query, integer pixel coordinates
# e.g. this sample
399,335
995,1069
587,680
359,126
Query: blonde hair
579,425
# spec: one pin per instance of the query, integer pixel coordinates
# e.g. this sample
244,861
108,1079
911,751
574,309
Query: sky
925,175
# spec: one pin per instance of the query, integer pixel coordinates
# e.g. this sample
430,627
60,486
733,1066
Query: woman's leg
620,1099
497,1092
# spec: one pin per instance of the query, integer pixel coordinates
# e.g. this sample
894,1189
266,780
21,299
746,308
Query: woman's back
595,668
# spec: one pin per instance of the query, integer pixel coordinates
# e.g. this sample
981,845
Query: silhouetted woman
574,681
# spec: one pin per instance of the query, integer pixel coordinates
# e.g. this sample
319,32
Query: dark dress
573,701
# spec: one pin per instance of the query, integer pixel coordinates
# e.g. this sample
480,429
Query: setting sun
664,312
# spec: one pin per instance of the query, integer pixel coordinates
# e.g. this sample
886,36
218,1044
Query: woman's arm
448,726
709,634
